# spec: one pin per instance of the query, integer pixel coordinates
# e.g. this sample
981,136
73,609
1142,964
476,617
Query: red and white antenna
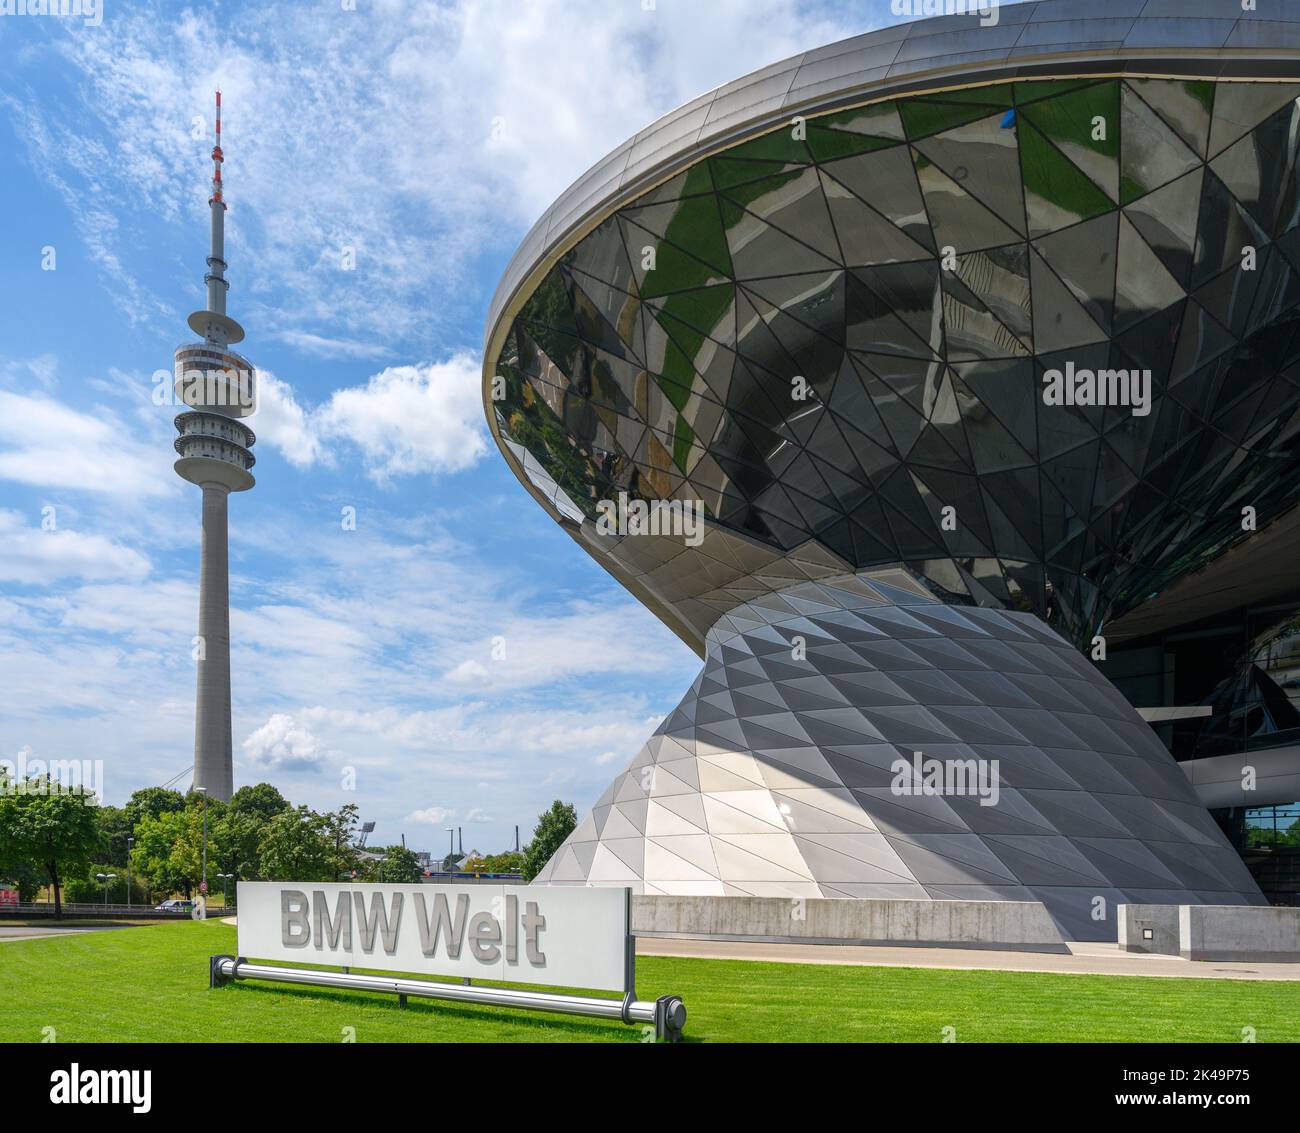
217,158
214,324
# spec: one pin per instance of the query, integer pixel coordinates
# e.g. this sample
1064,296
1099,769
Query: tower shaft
213,746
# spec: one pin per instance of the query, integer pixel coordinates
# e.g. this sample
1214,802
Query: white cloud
47,443
322,347
282,743
412,419
36,556
546,648
405,421
44,369
283,424
434,815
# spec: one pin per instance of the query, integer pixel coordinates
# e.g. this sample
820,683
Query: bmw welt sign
566,937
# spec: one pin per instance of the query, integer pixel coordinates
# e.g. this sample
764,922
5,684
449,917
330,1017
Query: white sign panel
562,936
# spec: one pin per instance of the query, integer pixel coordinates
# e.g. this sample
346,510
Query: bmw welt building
940,387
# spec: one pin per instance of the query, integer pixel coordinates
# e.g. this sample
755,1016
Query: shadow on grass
449,1010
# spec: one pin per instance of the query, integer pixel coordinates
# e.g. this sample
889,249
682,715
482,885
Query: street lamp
129,843
105,878
203,889
225,877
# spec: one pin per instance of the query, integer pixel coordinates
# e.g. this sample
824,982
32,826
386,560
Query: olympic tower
217,388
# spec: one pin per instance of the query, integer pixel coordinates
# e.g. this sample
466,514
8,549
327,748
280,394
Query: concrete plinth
1160,921
1229,932
1003,925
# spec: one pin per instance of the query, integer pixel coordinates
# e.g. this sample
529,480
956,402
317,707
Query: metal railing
112,909
667,1014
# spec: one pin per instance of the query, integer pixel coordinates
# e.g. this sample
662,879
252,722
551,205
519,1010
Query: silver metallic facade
790,769
920,224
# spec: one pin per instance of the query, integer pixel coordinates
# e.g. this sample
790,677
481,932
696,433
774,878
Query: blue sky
370,130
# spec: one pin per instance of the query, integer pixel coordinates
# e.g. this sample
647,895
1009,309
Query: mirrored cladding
1034,340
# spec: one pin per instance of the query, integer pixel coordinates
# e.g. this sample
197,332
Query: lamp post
225,878
203,888
129,843
105,878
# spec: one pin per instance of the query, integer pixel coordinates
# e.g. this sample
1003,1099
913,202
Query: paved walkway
1084,959
40,932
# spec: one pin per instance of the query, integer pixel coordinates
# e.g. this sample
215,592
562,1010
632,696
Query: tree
508,862
259,799
152,801
553,827
14,866
298,845
51,827
151,857
239,833
89,888
341,825
115,827
169,848
398,866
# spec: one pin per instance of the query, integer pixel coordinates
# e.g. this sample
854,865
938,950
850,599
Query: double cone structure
1012,311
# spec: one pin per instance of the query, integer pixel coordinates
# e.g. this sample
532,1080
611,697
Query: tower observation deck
217,386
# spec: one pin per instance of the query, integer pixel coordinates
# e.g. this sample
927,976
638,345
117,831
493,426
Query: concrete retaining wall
1235,932
1006,925
1161,921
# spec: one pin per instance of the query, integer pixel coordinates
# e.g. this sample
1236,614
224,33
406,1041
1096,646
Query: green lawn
151,984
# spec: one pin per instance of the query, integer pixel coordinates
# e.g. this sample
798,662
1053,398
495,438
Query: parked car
175,905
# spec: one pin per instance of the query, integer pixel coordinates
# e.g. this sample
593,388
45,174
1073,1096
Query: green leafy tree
298,845
22,875
90,889
509,862
187,851
238,835
169,848
15,868
151,857
152,801
259,799
302,845
553,827
398,866
115,827
341,825
55,829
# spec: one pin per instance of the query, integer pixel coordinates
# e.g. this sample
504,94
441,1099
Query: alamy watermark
681,518
204,389
27,776
1077,386
975,778
987,10
91,11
